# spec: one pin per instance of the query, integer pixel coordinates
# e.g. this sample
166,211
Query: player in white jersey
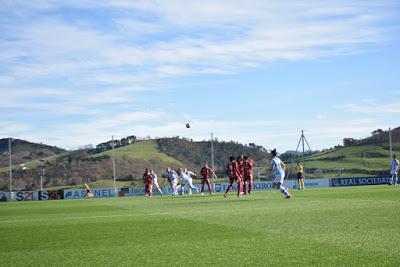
394,169
278,167
185,175
155,181
172,177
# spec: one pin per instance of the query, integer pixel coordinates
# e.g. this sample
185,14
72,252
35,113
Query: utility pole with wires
42,172
390,144
303,141
113,166
212,161
9,154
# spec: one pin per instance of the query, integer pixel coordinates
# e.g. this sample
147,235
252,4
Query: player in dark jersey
248,174
240,161
206,173
233,172
148,182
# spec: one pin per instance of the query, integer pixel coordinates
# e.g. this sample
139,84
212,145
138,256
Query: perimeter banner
336,182
4,196
267,185
81,193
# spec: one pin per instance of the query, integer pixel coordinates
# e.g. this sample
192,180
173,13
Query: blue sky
76,72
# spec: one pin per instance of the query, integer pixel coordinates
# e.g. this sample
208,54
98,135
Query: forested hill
132,157
195,154
378,137
362,157
23,151
368,156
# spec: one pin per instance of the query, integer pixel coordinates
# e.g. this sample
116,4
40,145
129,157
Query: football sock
284,190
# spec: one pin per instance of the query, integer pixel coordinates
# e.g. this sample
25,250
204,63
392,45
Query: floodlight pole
9,152
212,150
113,165
212,159
42,172
304,164
390,143
41,180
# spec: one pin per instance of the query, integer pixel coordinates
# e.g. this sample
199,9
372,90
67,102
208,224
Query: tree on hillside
348,141
376,132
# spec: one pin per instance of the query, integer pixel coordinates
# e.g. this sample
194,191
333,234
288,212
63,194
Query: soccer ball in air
187,125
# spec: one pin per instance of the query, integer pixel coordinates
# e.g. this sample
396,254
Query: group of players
239,170
150,180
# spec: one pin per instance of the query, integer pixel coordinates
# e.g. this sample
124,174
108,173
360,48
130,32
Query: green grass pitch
357,226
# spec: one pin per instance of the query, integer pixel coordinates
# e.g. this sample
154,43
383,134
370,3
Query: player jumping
394,169
233,172
278,167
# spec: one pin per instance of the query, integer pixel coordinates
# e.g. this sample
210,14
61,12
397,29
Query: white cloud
372,107
252,32
113,60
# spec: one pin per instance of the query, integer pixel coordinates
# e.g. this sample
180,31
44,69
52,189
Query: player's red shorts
247,178
234,179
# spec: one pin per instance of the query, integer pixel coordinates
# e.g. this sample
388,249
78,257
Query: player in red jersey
148,182
206,173
248,173
233,172
240,161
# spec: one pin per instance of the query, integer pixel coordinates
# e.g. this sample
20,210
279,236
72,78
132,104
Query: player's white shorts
393,172
174,182
188,183
279,178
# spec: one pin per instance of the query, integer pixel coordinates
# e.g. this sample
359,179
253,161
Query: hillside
84,165
87,165
195,154
365,157
24,151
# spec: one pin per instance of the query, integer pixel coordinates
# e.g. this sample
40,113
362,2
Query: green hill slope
24,151
75,167
367,157
147,150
